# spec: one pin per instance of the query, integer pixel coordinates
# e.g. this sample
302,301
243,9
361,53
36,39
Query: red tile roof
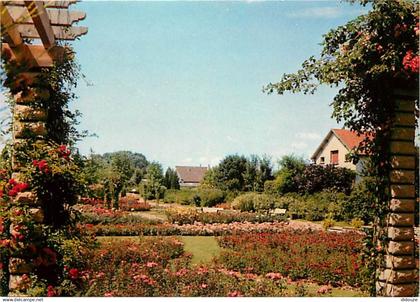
349,138
191,174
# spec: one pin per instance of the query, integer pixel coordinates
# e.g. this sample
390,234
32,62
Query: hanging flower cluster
411,62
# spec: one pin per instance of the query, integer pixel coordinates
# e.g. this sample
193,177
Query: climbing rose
42,165
12,193
411,62
74,273
50,291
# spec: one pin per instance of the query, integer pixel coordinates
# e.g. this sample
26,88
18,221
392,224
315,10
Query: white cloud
308,136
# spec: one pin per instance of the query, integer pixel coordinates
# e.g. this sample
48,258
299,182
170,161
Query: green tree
153,187
171,180
230,173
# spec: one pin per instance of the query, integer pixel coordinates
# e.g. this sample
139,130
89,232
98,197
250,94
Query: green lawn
203,248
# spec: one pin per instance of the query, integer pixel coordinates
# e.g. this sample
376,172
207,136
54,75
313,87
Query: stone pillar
398,275
28,126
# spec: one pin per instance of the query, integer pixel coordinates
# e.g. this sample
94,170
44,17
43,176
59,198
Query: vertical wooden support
398,274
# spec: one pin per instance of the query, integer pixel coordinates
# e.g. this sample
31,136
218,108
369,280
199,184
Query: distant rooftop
191,174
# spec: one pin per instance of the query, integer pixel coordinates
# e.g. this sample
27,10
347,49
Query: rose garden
116,225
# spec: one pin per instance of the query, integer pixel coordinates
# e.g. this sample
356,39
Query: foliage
328,223
316,178
183,196
237,173
356,223
318,206
361,201
295,175
112,174
171,180
369,58
210,197
252,202
153,187
54,177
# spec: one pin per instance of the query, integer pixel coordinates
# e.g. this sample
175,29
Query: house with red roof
336,146
190,176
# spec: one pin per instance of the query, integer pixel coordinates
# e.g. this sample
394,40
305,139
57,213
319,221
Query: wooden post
398,274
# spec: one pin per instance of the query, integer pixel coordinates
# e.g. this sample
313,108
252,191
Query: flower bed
198,229
158,267
192,216
320,256
99,215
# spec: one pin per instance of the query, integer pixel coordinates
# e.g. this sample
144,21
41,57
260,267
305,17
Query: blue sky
181,81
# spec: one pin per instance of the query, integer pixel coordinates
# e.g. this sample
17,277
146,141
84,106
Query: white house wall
335,144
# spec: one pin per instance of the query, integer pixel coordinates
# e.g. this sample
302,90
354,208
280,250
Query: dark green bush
210,197
361,201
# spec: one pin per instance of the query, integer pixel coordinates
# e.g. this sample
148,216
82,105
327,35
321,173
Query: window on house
322,160
334,157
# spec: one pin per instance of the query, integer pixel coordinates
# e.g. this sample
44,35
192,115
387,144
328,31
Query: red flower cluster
411,62
74,273
15,188
64,152
50,291
16,232
42,165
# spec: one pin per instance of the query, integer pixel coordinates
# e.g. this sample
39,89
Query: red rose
73,273
12,193
12,181
50,291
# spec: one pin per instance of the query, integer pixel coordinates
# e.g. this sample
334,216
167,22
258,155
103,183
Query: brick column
28,126
398,275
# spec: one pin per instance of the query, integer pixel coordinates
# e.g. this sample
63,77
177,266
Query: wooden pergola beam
33,55
41,22
10,30
57,16
48,4
60,33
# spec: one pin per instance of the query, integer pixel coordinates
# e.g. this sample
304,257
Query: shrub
182,196
328,223
251,202
317,178
210,197
361,202
356,223
315,207
245,202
